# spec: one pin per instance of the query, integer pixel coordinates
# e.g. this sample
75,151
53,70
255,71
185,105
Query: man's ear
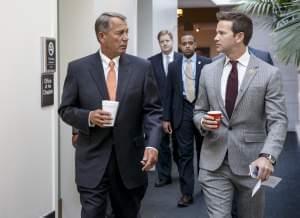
101,36
240,37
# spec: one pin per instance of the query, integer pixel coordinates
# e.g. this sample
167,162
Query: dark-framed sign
48,54
47,89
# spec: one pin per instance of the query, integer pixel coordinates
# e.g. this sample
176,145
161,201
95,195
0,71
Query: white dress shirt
242,64
165,60
105,63
184,62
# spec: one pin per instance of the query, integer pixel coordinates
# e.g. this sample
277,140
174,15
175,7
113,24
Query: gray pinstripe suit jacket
258,123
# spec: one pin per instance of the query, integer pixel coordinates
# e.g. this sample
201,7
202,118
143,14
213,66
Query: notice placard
48,54
47,89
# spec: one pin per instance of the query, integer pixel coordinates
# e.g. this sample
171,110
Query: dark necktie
232,88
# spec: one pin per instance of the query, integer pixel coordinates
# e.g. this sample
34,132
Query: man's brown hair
164,32
240,23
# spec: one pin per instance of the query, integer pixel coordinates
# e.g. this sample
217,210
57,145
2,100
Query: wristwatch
269,157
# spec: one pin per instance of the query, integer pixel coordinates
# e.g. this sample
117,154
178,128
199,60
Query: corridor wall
28,132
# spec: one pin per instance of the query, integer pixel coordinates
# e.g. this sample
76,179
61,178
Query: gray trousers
218,189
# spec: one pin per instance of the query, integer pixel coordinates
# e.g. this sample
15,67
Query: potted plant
285,25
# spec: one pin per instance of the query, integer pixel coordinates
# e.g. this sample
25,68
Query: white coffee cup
111,107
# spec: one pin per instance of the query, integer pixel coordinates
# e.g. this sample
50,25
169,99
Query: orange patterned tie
111,81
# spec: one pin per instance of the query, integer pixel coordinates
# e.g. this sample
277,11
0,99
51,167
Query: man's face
188,45
114,41
225,38
165,43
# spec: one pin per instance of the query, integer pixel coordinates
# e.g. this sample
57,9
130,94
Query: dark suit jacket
263,55
173,102
139,115
159,71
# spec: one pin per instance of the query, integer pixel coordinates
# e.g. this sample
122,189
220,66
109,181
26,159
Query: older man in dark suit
160,64
181,93
112,160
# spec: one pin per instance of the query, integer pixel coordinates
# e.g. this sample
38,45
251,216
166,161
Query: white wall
28,132
153,16
145,28
77,39
164,17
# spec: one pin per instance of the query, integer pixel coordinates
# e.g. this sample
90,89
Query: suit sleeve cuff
89,121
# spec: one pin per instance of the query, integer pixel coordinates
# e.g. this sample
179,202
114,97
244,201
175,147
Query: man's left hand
149,159
265,168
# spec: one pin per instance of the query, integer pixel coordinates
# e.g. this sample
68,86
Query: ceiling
206,3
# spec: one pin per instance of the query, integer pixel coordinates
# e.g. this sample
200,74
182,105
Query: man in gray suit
253,127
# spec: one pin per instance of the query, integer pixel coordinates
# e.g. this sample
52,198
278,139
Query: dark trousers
124,202
164,163
199,140
184,138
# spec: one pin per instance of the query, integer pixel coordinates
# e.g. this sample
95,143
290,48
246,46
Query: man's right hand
167,127
209,123
100,118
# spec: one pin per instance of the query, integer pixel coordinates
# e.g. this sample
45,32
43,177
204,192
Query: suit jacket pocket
258,136
139,141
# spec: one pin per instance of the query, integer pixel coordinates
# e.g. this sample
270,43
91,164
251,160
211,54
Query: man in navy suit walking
181,93
160,64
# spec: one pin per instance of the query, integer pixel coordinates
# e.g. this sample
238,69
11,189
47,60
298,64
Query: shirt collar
193,58
243,60
171,54
106,59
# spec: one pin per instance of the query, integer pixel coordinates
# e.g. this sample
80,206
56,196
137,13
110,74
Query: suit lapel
217,84
123,76
179,74
199,65
249,75
97,74
161,65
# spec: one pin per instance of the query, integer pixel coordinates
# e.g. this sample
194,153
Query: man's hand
265,168
167,127
100,117
209,123
74,138
149,159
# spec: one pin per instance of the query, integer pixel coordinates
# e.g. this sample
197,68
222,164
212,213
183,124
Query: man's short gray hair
102,23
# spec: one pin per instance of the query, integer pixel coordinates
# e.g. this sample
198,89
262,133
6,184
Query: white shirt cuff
150,147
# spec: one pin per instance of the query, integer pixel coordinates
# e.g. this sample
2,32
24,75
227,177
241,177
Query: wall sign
47,89
48,54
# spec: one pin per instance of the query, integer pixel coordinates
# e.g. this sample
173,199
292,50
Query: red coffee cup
216,115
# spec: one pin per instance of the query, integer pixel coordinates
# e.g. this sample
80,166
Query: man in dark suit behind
181,93
112,160
263,55
160,64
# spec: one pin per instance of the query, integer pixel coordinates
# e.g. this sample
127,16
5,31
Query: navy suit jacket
137,124
174,99
263,55
159,71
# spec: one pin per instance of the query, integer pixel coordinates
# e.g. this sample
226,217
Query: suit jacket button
230,128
